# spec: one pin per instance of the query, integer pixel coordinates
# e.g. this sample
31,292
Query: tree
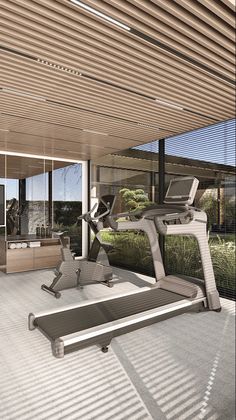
135,199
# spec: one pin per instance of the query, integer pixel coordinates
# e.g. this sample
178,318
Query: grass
132,251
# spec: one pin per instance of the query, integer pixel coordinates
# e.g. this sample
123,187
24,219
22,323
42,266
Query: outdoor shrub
132,251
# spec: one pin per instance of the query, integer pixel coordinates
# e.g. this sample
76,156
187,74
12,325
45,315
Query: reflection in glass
36,203
67,203
113,180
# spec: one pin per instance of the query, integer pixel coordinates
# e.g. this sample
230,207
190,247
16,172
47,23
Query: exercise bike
72,273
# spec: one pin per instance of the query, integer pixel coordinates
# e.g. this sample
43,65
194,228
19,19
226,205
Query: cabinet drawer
19,260
19,254
47,251
46,262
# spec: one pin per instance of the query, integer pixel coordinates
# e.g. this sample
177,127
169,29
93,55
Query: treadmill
97,322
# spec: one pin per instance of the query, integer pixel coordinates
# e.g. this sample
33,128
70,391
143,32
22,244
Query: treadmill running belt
84,317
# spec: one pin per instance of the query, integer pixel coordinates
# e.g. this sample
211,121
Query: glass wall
35,213
106,180
209,155
67,203
42,196
216,196
132,189
2,209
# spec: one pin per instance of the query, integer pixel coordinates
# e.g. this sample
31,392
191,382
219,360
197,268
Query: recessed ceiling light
148,126
95,132
169,104
58,67
25,94
77,152
100,14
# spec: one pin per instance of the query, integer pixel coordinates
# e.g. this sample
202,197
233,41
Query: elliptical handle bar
87,216
106,212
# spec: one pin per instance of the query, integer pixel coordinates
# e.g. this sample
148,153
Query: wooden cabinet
48,255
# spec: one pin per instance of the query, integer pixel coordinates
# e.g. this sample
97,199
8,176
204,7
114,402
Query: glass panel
35,199
114,180
182,256
2,215
215,195
131,249
67,203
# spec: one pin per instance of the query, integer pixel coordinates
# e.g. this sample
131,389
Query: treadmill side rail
31,321
58,348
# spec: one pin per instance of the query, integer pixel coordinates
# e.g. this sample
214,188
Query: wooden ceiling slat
230,4
130,69
163,77
145,68
61,115
151,108
127,70
66,12
154,113
182,71
186,100
65,133
183,11
64,115
220,10
186,120
149,24
70,134
81,99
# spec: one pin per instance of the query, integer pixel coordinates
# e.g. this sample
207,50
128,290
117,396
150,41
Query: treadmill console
181,190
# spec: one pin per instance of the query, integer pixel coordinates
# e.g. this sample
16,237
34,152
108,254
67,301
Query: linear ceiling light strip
8,153
153,41
100,14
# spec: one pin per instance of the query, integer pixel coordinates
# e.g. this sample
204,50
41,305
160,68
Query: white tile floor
179,369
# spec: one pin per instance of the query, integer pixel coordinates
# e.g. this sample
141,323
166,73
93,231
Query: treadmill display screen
2,205
180,189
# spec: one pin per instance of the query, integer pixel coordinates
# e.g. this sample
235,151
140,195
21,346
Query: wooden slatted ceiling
18,167
180,52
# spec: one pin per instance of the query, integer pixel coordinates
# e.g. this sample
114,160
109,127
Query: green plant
135,199
132,251
209,204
